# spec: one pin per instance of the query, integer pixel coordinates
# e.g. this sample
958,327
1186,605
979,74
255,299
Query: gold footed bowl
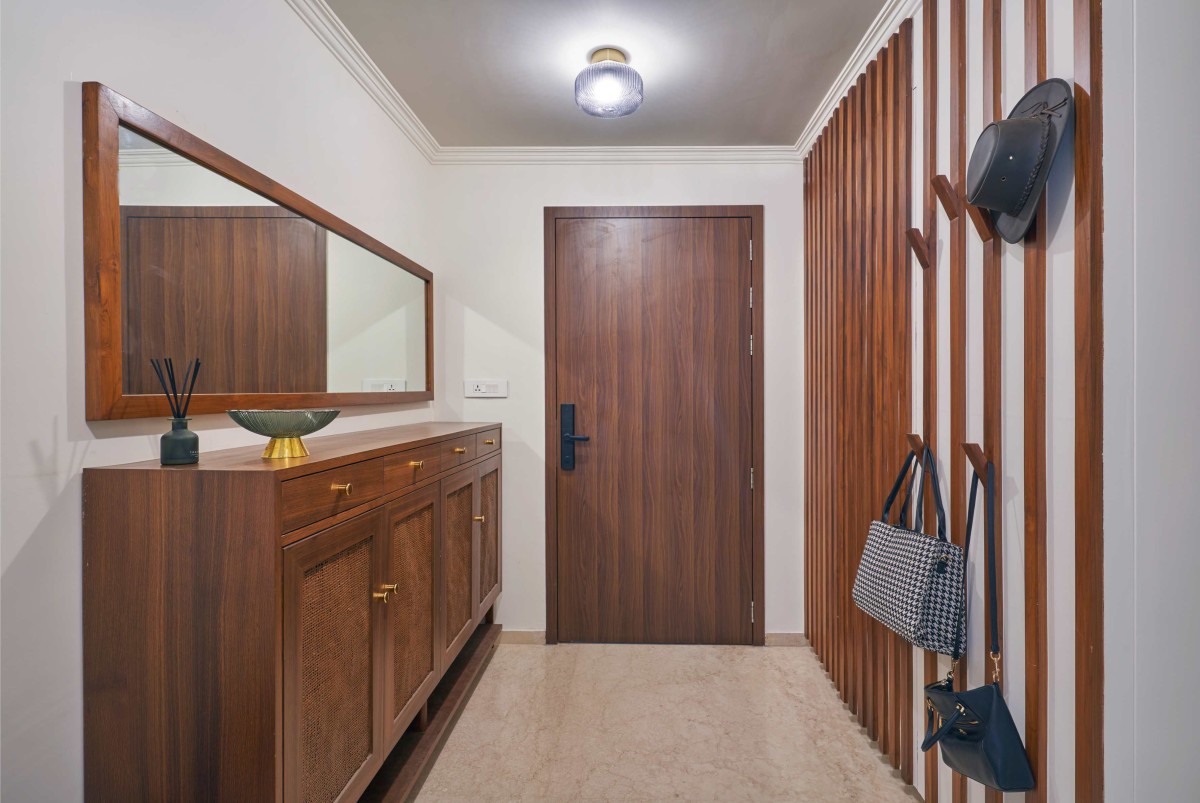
285,428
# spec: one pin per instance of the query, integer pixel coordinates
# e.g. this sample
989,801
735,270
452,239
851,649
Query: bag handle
989,495
931,469
887,506
927,465
966,553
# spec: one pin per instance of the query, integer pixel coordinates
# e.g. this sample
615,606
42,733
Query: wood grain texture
993,310
948,196
257,320
658,524
1034,455
958,303
858,398
929,309
104,111
1089,405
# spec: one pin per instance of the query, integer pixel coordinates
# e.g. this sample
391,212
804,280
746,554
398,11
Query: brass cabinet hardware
459,450
417,463
342,488
480,519
490,442
390,588
383,595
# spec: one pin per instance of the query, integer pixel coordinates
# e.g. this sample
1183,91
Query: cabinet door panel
411,656
489,534
332,687
460,494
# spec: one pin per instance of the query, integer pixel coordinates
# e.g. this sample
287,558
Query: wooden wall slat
993,303
1034,456
929,339
1089,408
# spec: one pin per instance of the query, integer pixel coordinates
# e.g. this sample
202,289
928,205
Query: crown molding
886,23
332,33
323,22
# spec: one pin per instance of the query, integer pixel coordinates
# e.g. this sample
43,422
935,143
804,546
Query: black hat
1012,157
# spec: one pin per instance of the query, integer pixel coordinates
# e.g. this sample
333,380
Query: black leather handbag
974,728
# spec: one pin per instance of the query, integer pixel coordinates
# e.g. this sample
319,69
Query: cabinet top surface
325,452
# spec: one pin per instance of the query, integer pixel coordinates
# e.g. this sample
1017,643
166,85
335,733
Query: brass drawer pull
490,442
342,488
460,450
417,463
480,519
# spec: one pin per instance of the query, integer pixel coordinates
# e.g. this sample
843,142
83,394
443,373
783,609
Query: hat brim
1013,228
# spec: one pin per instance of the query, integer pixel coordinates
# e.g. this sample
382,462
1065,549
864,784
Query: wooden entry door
651,535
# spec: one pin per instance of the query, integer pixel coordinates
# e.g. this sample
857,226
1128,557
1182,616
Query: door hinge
752,479
751,345
751,250
751,611
751,297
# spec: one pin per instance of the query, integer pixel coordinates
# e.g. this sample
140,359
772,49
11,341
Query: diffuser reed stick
179,396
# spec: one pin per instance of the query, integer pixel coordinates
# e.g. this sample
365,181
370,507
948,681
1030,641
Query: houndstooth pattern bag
912,582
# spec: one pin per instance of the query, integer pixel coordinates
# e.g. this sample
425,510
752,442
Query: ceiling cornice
886,23
330,30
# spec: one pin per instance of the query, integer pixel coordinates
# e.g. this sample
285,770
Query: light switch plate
485,388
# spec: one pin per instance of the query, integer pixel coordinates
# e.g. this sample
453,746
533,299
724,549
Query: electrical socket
384,385
485,388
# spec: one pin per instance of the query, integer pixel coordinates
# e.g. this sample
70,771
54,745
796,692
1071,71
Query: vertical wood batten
1036,647
1089,407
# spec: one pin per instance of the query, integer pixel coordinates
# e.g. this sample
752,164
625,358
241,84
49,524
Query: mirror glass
270,301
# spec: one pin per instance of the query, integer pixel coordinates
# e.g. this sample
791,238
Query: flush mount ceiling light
608,87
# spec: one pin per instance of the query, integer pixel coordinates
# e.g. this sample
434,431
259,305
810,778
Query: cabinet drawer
408,468
487,442
319,496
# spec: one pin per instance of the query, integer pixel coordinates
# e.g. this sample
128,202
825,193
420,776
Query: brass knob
417,463
391,587
490,442
342,488
459,450
480,519
383,595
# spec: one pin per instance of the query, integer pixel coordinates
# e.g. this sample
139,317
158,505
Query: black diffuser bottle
180,446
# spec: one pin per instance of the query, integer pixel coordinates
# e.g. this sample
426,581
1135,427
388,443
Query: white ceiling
718,73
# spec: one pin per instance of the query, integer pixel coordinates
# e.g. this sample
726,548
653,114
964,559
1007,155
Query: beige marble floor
646,723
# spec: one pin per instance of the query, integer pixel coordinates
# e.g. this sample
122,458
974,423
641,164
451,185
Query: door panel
489,534
654,523
332,688
410,655
460,500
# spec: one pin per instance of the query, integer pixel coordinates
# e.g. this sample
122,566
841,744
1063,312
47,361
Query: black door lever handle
566,428
567,436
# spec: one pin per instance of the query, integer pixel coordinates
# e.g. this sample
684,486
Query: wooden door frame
758,509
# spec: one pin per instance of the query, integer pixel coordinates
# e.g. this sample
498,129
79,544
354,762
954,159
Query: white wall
1152,433
493,323
248,77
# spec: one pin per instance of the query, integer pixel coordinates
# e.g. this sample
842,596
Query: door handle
566,428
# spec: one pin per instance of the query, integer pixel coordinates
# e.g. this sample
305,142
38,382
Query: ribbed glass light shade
608,89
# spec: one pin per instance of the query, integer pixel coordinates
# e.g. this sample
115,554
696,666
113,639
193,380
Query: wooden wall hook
982,221
947,195
975,454
915,443
920,246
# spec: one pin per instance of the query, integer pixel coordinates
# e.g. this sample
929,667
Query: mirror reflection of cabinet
190,253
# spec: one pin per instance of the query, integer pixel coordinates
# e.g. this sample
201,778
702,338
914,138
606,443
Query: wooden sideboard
258,630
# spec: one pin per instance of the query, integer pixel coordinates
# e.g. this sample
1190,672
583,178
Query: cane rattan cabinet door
410,657
332,667
489,535
459,564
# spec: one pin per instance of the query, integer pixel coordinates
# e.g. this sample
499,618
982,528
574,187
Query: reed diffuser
180,446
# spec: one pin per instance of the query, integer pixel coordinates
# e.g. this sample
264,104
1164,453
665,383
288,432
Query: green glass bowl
283,427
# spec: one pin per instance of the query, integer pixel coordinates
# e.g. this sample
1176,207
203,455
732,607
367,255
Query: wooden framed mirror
190,253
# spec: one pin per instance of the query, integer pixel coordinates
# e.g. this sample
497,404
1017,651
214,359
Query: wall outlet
384,385
485,388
